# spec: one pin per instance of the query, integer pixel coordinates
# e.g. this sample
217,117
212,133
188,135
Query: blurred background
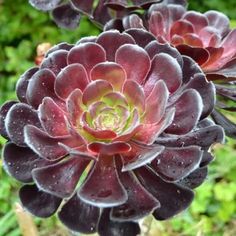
213,212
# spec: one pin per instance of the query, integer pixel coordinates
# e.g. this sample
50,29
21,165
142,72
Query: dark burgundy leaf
188,111
22,83
114,24
205,123
60,179
52,118
206,158
45,5
60,46
190,68
3,113
195,179
116,4
141,36
20,161
79,216
203,137
17,118
154,48
140,155
206,90
37,202
173,197
112,40
101,13
175,163
55,61
41,85
83,5
127,55
49,147
226,91
200,55
87,54
102,187
108,227
74,76
229,126
134,21
66,17
228,70
140,203
160,64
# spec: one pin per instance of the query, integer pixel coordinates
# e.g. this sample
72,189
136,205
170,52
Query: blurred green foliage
22,28
227,7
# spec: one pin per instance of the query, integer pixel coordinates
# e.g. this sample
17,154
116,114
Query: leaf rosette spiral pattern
110,129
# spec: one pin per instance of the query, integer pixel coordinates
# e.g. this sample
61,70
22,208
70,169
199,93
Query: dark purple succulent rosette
110,130
135,20
206,38
67,14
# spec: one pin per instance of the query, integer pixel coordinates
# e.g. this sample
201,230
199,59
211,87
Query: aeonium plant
108,131
205,37
67,14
